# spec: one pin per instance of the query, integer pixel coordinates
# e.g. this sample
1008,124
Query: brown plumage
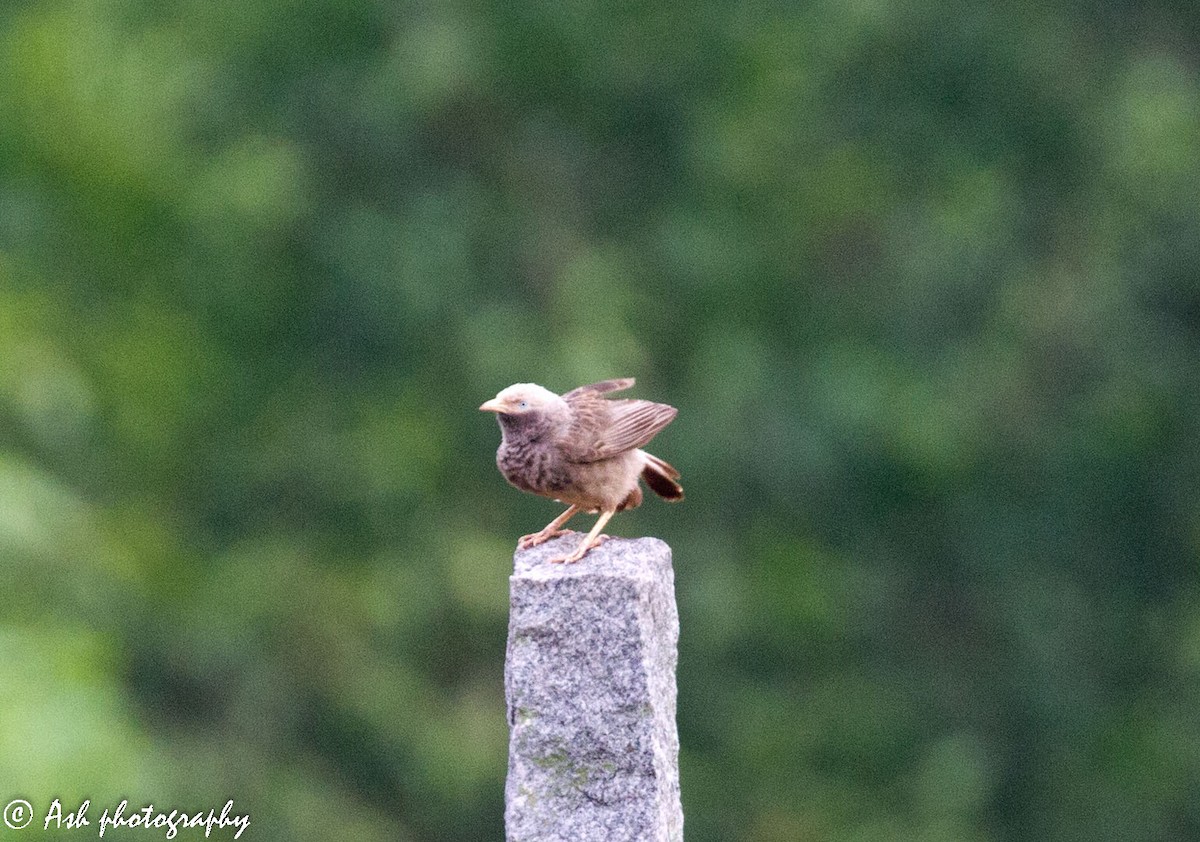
581,449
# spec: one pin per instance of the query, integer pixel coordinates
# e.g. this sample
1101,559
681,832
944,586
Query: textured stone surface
590,679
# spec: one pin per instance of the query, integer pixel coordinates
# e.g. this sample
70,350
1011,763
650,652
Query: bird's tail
661,477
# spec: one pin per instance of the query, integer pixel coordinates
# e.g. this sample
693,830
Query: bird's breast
533,467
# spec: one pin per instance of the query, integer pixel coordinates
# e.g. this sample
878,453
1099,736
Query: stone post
590,681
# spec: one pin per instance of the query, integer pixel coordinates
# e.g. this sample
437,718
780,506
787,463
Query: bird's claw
533,539
581,550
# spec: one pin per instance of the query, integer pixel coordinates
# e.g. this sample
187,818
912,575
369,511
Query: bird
581,449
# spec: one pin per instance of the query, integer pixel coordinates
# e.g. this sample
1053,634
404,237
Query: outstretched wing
601,429
616,385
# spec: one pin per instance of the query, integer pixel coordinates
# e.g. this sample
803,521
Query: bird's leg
552,529
594,538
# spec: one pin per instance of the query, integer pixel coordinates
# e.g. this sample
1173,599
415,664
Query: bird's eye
524,405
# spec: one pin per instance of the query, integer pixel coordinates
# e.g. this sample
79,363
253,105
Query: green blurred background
921,277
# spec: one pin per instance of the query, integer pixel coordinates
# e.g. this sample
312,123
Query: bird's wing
601,429
617,385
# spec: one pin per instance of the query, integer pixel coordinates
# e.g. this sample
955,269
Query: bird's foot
580,551
532,540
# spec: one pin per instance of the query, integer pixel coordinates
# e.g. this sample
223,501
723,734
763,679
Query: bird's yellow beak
494,405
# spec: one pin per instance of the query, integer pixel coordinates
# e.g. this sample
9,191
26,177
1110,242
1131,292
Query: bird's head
521,399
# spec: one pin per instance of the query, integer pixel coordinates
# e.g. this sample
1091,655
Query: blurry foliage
921,278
